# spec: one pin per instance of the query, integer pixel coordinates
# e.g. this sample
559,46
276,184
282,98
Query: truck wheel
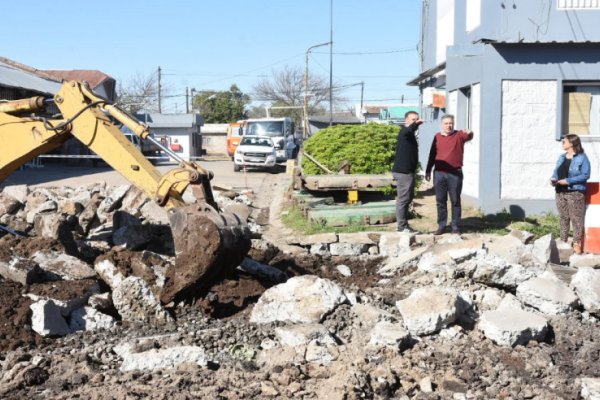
236,168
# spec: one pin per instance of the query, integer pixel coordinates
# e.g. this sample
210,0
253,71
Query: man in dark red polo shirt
446,155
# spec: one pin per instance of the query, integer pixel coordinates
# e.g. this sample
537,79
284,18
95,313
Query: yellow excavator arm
208,242
86,117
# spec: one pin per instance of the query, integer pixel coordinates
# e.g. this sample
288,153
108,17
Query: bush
369,148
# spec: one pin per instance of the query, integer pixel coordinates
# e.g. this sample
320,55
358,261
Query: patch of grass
294,219
538,225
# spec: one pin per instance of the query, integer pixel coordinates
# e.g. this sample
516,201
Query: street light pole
306,128
192,91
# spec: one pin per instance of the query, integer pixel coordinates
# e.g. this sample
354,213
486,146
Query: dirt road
54,174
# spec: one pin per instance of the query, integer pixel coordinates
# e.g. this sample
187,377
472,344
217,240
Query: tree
220,107
140,93
285,88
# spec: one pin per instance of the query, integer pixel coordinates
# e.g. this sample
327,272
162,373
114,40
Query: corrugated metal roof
156,120
17,78
339,118
214,128
372,109
93,77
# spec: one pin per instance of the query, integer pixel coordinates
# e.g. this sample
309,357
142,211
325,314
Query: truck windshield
266,128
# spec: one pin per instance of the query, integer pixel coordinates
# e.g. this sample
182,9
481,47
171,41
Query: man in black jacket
405,166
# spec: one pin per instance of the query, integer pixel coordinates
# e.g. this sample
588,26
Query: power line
365,53
252,70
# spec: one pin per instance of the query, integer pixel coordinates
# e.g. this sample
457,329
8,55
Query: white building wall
177,135
472,148
452,101
214,145
473,9
529,146
445,28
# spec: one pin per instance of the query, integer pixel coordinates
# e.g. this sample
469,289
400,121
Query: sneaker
407,230
440,231
577,248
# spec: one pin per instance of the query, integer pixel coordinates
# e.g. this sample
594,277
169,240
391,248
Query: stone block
47,319
159,359
548,295
429,309
545,250
392,244
135,302
302,299
302,334
62,266
89,319
511,326
586,283
19,192
20,270
386,334
398,264
347,249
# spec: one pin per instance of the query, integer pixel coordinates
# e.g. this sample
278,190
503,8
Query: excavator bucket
208,246
208,243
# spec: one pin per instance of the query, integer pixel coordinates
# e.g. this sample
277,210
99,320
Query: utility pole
192,91
187,102
362,91
159,108
330,62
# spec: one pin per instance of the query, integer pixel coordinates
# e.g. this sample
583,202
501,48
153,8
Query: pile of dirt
15,317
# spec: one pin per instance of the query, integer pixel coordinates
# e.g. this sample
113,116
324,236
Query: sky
212,44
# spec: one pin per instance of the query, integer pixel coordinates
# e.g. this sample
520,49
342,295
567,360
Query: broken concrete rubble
360,347
586,282
545,250
161,358
135,302
427,310
302,334
62,266
547,294
18,192
89,319
511,326
441,256
47,319
21,270
388,334
302,299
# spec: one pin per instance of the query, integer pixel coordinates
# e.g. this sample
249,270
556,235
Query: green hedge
369,148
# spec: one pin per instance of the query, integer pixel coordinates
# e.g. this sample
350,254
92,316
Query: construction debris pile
365,315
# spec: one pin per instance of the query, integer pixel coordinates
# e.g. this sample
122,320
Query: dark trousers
448,184
405,186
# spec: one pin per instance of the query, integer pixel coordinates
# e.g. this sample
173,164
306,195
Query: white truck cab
280,130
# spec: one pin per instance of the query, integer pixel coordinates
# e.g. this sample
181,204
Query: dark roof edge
426,74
